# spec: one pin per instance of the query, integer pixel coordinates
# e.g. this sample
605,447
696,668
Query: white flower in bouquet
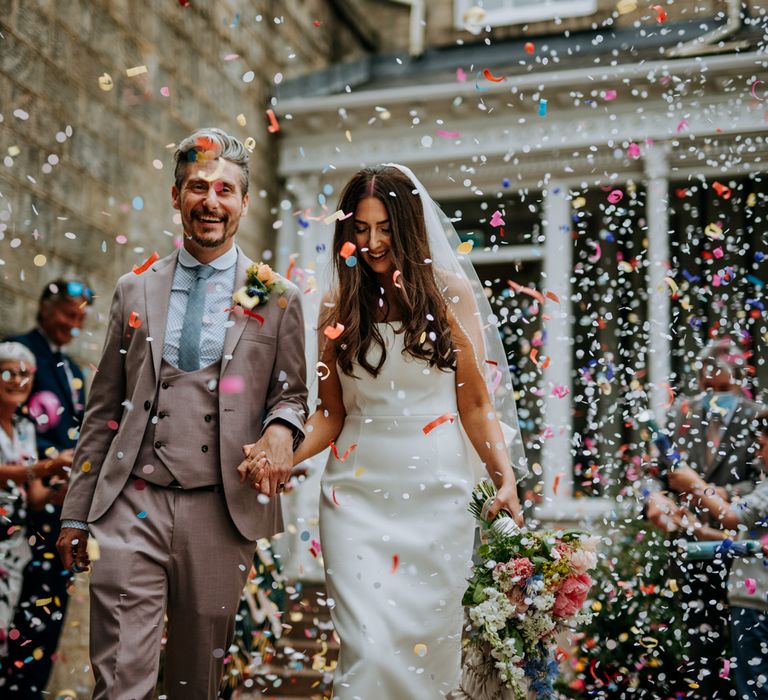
492,613
545,601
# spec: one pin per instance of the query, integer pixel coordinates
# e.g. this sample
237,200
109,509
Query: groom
186,377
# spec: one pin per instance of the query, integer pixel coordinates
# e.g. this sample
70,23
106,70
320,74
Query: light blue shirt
218,298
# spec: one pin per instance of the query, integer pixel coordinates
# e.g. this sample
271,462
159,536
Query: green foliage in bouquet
636,640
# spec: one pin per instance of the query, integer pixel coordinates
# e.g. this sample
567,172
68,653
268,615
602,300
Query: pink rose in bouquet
571,595
583,560
517,597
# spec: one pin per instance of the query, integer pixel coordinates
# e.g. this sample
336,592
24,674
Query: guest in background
713,434
57,405
21,483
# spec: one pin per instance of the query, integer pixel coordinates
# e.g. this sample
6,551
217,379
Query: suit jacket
51,377
734,464
269,357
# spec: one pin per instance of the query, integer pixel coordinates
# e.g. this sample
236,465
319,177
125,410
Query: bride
406,339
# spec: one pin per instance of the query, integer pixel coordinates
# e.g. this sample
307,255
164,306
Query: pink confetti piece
725,672
718,252
609,95
496,219
750,585
615,196
448,134
232,385
231,56
633,150
461,76
165,91
683,124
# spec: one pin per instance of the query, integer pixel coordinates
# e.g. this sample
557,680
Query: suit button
207,417
158,445
164,385
204,448
147,405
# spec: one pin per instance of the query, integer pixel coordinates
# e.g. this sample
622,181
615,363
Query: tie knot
203,271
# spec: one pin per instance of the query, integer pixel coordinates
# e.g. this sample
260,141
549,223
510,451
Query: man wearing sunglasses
57,404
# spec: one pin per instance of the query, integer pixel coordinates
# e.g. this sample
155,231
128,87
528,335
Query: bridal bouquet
526,587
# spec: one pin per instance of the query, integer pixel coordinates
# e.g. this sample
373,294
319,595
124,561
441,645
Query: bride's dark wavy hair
356,300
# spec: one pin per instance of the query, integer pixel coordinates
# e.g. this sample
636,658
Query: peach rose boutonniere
261,281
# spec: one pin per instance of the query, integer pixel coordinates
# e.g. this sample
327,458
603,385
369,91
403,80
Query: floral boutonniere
261,281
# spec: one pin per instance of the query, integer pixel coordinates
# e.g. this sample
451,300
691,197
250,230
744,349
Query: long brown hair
427,334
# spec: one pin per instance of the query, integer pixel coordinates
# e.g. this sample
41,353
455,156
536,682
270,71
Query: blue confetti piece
351,261
303,223
690,277
142,514
505,182
757,282
542,108
138,203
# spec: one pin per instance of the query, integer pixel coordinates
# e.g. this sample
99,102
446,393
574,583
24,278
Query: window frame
507,16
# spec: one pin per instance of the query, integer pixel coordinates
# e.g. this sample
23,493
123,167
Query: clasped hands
268,462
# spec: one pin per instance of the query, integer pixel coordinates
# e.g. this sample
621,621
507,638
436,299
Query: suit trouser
171,551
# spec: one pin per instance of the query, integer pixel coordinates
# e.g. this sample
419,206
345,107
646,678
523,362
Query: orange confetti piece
333,332
490,76
335,451
534,358
535,293
347,249
134,321
429,427
291,266
145,266
722,190
553,297
273,127
556,485
395,562
661,14
670,396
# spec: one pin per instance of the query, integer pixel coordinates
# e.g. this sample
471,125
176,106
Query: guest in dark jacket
57,405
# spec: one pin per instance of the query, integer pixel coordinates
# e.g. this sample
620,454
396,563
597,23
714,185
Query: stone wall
85,173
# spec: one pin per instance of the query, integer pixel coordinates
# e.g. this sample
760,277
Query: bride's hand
506,499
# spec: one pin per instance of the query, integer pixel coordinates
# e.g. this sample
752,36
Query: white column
558,255
657,212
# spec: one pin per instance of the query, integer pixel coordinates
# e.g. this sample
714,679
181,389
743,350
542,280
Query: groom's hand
268,462
72,547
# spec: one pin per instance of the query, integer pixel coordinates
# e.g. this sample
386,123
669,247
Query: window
469,14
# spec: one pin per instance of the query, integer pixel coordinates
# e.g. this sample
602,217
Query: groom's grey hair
211,139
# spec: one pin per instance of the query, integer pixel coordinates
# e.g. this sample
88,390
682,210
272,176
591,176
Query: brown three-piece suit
155,478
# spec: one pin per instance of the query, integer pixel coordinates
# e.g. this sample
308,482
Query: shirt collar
223,262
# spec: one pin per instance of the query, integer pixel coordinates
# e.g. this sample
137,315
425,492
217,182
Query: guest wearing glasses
21,484
57,404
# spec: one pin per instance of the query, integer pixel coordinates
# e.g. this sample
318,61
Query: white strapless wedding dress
395,532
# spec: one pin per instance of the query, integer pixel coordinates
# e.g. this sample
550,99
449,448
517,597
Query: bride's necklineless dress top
396,534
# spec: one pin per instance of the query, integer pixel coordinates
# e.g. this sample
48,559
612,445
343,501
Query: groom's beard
207,240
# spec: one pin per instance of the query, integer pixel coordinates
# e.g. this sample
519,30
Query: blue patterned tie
189,346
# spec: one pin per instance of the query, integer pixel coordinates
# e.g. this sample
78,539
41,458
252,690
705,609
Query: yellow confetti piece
86,467
13,151
714,230
250,144
579,202
359,471
624,7
77,383
282,302
40,602
751,199
420,649
40,260
465,248
105,82
38,653
597,606
625,266
333,217
241,120
48,555
672,585
671,284
348,134
136,70
648,642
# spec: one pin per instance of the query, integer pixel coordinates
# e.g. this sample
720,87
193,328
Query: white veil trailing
468,304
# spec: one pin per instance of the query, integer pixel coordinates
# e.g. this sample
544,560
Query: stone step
290,682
